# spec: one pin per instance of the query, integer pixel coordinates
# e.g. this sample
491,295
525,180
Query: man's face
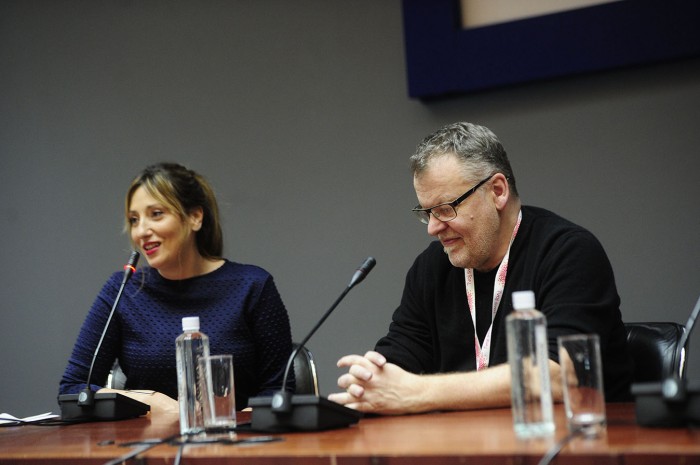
471,239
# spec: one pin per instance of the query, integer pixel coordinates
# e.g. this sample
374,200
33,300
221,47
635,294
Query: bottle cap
523,300
190,323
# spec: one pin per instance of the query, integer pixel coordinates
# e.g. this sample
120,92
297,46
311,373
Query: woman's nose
141,229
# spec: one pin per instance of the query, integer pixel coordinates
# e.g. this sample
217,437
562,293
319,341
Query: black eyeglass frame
423,214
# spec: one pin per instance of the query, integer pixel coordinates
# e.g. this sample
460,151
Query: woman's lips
151,248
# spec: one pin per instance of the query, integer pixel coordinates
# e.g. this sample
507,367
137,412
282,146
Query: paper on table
7,418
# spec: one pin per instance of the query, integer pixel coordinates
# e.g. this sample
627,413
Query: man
446,346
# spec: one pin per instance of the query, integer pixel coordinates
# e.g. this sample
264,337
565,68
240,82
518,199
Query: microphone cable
183,440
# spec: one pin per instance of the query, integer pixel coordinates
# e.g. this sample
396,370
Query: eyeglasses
445,211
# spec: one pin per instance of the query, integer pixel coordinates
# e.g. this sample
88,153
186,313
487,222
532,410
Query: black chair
305,372
116,378
655,350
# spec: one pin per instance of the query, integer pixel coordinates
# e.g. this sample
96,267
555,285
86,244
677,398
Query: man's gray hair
476,147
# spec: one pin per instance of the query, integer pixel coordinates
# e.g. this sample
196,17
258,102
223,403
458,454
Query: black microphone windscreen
362,271
130,267
133,258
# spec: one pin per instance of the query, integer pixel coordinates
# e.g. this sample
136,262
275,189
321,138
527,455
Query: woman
173,220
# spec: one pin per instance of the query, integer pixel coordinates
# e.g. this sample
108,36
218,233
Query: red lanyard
483,352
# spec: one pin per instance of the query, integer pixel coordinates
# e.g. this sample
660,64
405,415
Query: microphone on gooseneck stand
89,406
287,412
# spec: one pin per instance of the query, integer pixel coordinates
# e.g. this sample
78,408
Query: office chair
655,350
116,378
304,373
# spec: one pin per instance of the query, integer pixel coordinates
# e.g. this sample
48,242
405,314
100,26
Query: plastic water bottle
189,346
528,356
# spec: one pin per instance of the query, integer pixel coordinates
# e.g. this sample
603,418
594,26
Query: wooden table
475,437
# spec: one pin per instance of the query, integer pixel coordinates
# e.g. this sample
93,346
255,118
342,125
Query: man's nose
435,226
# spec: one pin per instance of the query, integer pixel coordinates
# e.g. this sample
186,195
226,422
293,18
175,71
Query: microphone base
654,409
308,413
108,406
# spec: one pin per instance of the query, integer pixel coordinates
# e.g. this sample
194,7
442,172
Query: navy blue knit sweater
239,308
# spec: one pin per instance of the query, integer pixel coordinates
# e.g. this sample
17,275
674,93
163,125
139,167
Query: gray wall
298,114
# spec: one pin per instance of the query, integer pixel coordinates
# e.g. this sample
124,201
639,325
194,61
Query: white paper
7,418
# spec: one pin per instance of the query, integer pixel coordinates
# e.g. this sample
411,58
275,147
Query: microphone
362,272
674,401
284,412
90,406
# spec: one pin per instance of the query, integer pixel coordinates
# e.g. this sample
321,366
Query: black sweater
566,267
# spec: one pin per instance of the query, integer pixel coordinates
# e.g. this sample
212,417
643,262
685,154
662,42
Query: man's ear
500,190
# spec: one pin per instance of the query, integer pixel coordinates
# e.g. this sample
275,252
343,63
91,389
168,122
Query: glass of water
582,379
218,395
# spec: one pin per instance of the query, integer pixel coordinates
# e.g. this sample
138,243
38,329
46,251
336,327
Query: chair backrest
655,349
305,372
116,378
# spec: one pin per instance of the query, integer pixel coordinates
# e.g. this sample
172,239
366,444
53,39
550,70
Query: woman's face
167,242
